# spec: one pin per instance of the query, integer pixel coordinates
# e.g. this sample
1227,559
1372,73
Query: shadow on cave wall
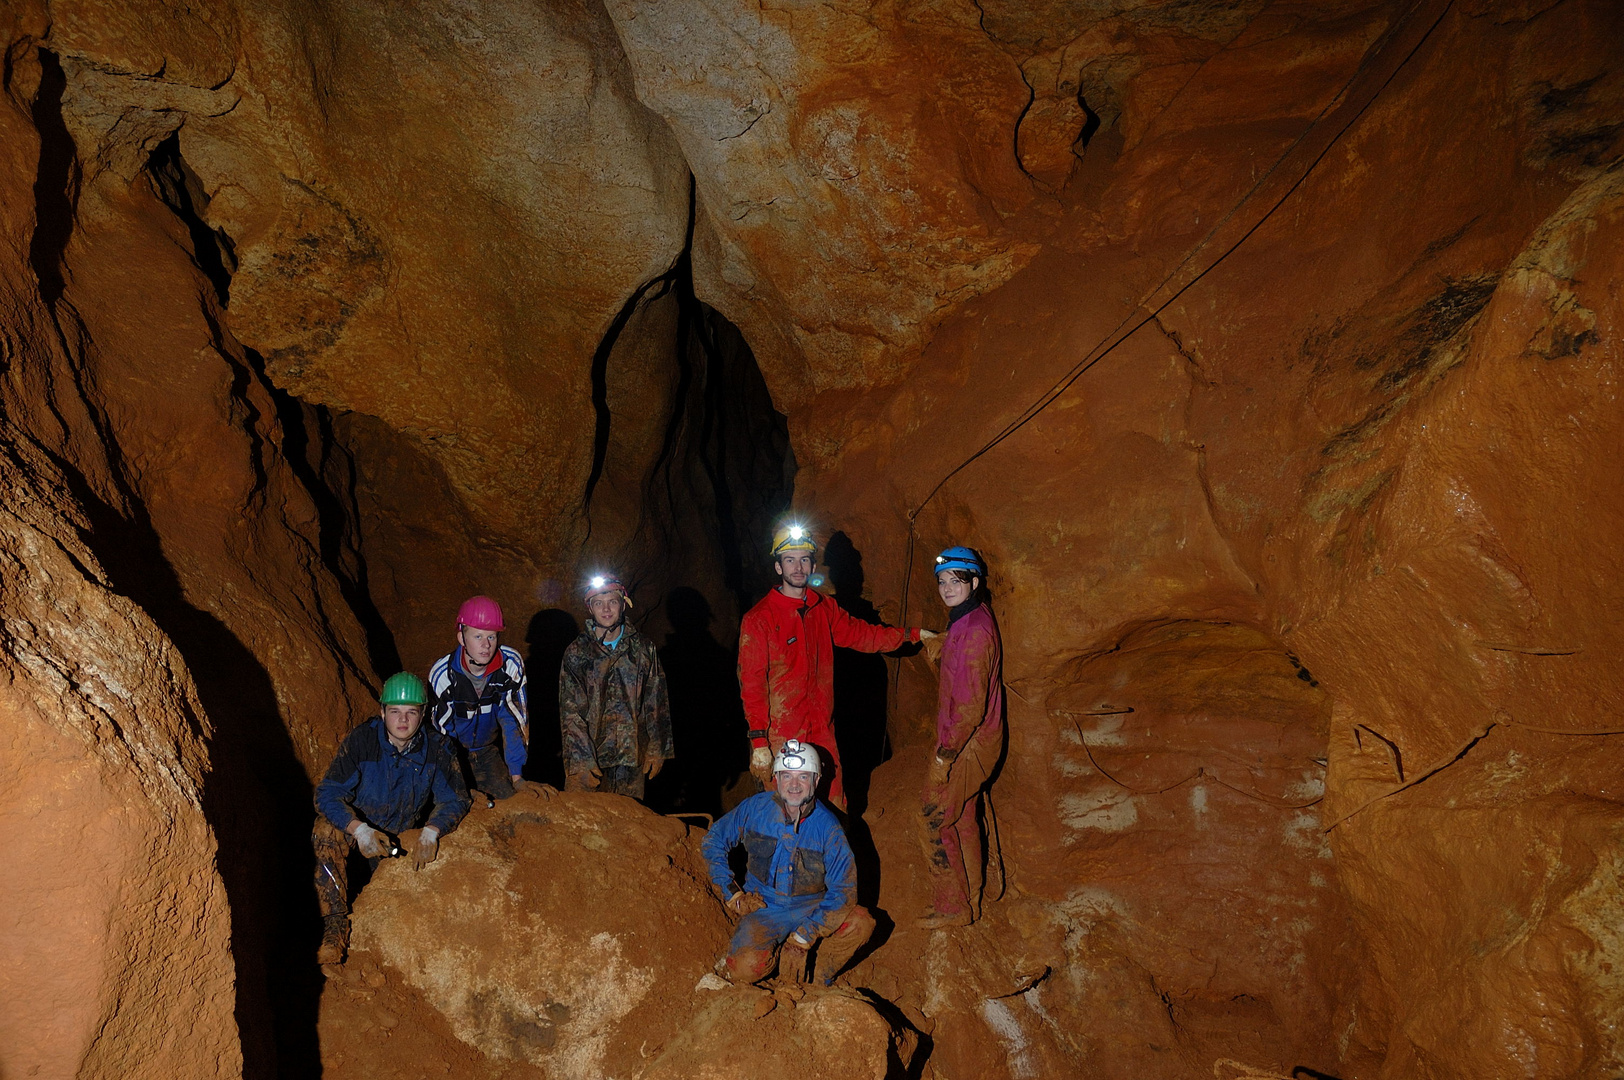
257,796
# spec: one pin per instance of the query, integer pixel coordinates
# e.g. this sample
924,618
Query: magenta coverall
970,732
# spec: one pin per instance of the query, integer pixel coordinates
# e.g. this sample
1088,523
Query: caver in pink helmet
480,613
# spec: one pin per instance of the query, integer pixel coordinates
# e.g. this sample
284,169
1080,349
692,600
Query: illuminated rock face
315,319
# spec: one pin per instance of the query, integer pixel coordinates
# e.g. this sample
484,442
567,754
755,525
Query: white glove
761,763
428,846
798,941
373,844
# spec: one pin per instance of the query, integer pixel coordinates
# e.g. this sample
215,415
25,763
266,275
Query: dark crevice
721,417
257,798
56,183
212,250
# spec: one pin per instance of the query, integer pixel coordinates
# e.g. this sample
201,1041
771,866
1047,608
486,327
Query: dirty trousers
620,780
332,846
952,835
761,934
485,769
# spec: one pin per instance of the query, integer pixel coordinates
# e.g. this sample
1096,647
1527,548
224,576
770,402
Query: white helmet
797,756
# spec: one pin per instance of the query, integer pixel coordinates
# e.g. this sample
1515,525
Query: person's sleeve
572,705
850,633
719,842
519,698
439,698
450,792
335,795
966,682
656,710
840,880
753,663
512,715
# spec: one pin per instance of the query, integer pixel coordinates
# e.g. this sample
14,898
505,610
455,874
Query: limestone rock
567,933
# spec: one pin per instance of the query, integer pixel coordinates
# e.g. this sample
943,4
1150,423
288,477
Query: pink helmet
480,613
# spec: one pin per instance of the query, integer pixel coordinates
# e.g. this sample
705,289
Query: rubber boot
335,940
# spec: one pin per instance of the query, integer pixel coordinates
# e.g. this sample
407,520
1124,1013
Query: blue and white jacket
477,720
807,865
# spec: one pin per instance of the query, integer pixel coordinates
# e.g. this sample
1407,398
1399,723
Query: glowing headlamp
796,532
598,580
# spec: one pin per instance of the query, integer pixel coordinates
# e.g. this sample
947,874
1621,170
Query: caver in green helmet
403,688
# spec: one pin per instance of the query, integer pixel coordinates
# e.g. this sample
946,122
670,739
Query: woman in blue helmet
969,740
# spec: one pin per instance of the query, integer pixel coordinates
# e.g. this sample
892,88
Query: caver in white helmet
797,756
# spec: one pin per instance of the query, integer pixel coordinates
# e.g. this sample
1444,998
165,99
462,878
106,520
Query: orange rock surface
1269,352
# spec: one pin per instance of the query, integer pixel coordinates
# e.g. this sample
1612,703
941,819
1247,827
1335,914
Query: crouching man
390,774
800,884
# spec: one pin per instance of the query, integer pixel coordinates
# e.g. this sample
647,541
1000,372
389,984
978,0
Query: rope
1097,353
1201,771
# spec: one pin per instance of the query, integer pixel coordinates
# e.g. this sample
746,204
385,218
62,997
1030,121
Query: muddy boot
335,940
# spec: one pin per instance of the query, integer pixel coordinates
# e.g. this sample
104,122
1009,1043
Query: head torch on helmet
960,558
793,537
797,756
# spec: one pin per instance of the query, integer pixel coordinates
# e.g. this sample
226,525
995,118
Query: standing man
479,700
800,882
390,774
612,704
786,660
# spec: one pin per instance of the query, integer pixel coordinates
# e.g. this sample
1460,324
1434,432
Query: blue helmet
960,558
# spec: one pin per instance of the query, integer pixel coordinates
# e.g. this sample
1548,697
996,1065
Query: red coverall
786,671
970,728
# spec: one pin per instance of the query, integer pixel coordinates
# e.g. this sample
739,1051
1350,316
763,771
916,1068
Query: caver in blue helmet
960,558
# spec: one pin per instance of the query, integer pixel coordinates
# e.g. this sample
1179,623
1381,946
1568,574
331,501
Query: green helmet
403,688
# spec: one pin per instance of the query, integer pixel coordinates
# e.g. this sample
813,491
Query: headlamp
597,582
796,532
794,763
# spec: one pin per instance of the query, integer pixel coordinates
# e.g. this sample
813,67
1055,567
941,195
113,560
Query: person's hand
940,766
534,787
743,903
517,780
426,848
926,635
373,844
652,767
589,778
761,765
792,958
933,645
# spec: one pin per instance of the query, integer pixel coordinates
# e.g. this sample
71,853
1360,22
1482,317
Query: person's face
478,646
402,721
794,567
955,592
606,608
795,788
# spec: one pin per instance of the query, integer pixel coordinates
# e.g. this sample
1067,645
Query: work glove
373,844
933,645
941,764
590,778
652,767
517,780
743,903
426,848
534,787
761,765
792,958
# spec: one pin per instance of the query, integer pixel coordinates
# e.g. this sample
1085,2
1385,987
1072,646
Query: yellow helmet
793,538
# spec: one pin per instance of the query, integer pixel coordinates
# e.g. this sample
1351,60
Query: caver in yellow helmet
793,538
